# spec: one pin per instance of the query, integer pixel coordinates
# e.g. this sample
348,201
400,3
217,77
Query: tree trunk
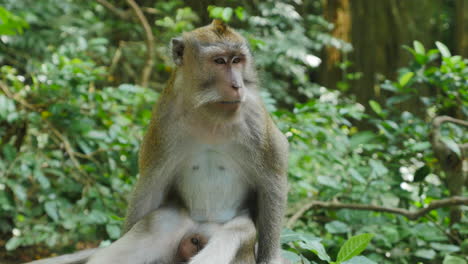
379,29
338,13
461,28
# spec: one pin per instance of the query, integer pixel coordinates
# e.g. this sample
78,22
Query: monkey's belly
212,186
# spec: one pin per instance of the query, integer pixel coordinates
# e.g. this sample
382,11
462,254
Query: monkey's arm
155,176
271,197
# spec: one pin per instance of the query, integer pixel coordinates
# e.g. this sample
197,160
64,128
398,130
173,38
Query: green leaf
376,107
453,260
337,227
425,253
421,173
41,178
13,243
215,11
452,145
317,248
405,78
113,231
52,210
359,260
240,13
421,146
288,236
443,49
20,192
291,256
356,175
353,247
361,138
418,47
227,14
10,23
447,248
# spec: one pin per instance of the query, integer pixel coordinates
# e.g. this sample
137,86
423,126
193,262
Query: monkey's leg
154,239
225,243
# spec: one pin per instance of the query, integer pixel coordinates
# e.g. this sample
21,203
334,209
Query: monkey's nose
235,85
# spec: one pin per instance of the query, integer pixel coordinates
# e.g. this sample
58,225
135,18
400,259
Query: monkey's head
215,69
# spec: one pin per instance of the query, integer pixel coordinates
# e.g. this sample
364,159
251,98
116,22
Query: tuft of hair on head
219,26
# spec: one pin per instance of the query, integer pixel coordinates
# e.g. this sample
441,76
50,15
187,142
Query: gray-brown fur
231,121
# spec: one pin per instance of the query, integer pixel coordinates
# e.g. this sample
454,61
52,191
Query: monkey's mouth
230,102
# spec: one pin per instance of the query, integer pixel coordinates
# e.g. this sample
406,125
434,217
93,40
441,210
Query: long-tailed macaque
212,156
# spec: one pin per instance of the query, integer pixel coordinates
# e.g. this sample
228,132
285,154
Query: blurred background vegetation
354,85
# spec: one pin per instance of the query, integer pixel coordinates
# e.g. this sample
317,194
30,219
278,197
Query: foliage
68,169
71,121
304,243
11,24
392,166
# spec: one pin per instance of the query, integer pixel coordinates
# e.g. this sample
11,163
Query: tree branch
120,13
146,74
439,120
456,200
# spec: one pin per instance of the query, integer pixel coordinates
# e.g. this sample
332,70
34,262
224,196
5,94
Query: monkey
142,244
211,154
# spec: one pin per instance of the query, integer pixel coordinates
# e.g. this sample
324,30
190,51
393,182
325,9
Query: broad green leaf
52,210
240,13
13,243
378,168
291,256
405,78
19,191
443,49
421,173
452,145
447,248
337,227
376,107
41,178
356,175
113,231
353,247
421,146
453,260
9,152
425,253
215,11
359,260
361,138
287,235
418,47
227,14
317,248
10,23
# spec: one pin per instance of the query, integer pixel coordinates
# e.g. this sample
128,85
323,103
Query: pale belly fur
212,184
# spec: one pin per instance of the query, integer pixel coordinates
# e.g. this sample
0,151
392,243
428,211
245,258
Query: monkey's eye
220,61
236,60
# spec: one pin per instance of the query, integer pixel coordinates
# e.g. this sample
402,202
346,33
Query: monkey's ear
177,46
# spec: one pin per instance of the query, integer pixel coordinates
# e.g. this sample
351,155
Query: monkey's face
221,87
216,69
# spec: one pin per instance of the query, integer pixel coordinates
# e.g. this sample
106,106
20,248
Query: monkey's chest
212,185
